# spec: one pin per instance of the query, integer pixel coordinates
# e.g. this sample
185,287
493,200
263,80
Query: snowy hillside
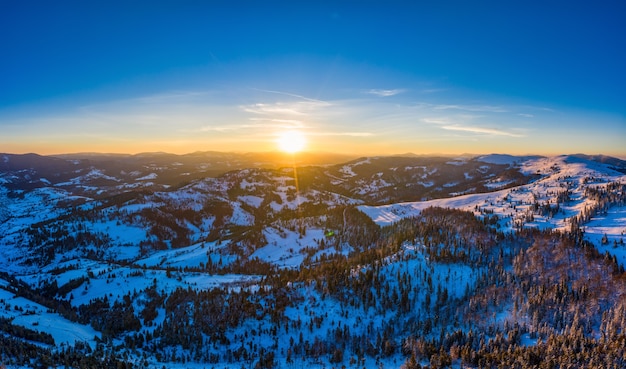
155,261
561,194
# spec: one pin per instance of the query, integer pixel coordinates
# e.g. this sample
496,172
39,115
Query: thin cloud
269,109
483,130
525,115
475,108
435,121
290,94
281,123
447,124
385,93
286,108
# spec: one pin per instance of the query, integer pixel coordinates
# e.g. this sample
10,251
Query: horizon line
307,152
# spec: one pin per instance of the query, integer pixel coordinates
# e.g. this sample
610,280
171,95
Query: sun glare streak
291,141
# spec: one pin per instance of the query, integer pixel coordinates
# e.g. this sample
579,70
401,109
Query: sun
291,141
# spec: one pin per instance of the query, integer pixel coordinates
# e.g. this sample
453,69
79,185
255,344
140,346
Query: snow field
37,317
286,248
613,225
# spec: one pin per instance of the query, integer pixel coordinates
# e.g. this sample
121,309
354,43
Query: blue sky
362,77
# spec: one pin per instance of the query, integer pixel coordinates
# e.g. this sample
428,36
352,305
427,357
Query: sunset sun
291,141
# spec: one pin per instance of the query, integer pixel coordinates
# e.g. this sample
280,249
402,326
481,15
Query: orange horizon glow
379,145
309,146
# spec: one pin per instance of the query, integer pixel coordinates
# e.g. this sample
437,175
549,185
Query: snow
373,186
94,173
613,225
38,205
135,208
122,233
559,173
254,201
410,260
191,256
347,170
540,165
497,184
240,216
113,281
286,203
286,248
245,184
127,186
37,317
148,177
388,214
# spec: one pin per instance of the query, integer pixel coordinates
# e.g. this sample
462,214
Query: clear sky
364,77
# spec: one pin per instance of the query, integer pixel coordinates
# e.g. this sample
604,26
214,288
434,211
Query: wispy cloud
256,124
298,108
474,108
451,124
436,120
481,130
289,94
270,109
385,93
525,115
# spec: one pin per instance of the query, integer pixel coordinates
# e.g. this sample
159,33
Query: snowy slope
558,173
39,318
516,207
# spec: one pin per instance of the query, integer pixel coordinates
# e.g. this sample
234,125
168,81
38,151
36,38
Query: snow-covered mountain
567,191
227,260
